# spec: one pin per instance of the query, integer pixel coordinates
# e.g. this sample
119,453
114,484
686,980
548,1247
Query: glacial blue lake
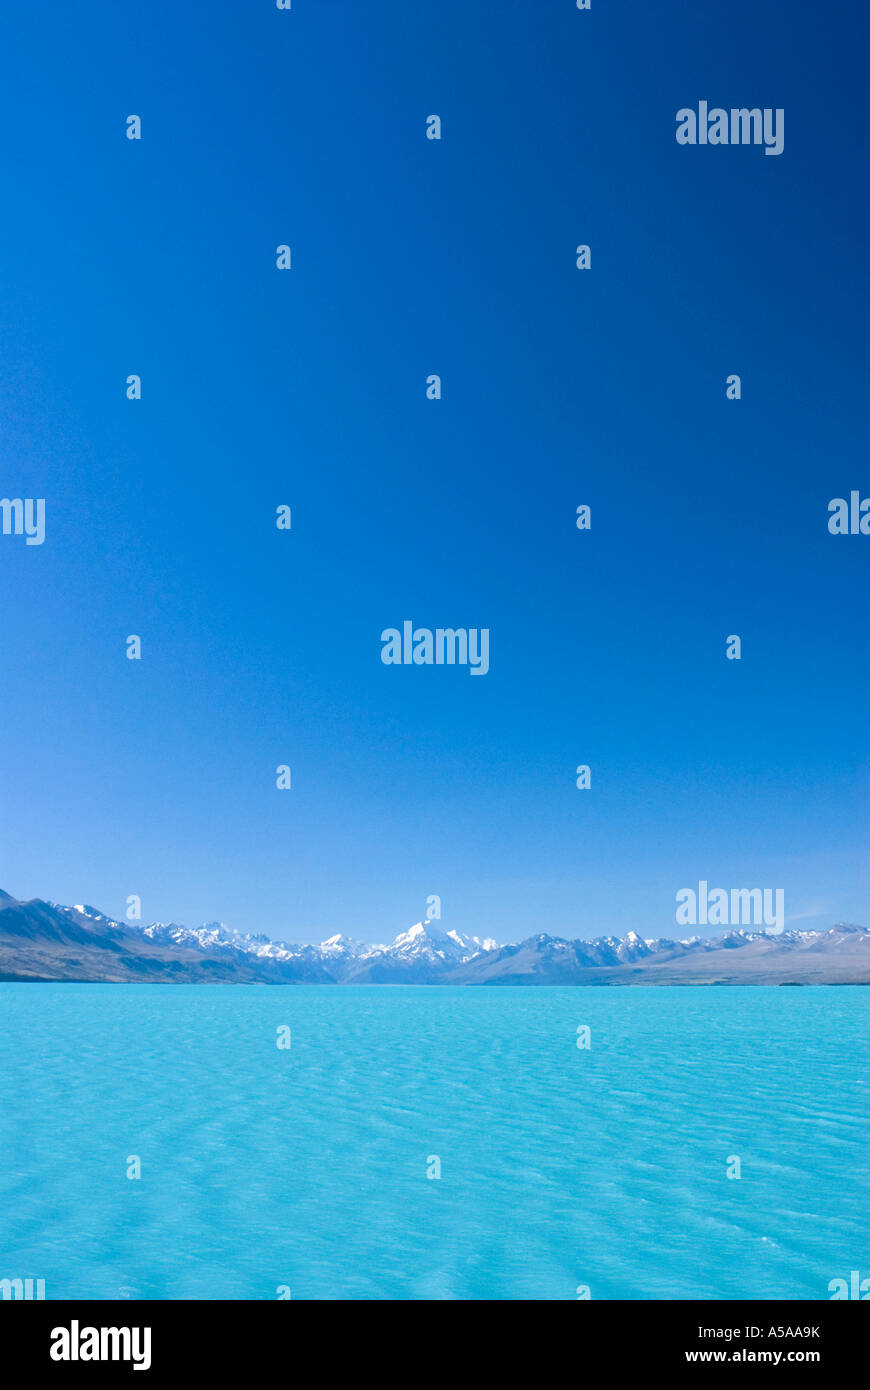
306,1168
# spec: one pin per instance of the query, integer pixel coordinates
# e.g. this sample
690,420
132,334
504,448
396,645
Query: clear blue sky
307,388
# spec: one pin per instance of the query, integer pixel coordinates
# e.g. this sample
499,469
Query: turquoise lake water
560,1167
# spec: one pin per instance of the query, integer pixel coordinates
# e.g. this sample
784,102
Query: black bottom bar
163,1339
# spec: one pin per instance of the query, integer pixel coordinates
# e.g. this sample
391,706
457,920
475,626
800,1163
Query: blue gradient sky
307,388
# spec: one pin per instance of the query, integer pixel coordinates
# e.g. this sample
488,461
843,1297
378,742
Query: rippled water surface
307,1167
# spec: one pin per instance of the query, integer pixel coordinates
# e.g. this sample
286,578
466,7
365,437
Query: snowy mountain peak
426,939
340,945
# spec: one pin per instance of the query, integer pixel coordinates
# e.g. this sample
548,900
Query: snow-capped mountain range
423,946
47,941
